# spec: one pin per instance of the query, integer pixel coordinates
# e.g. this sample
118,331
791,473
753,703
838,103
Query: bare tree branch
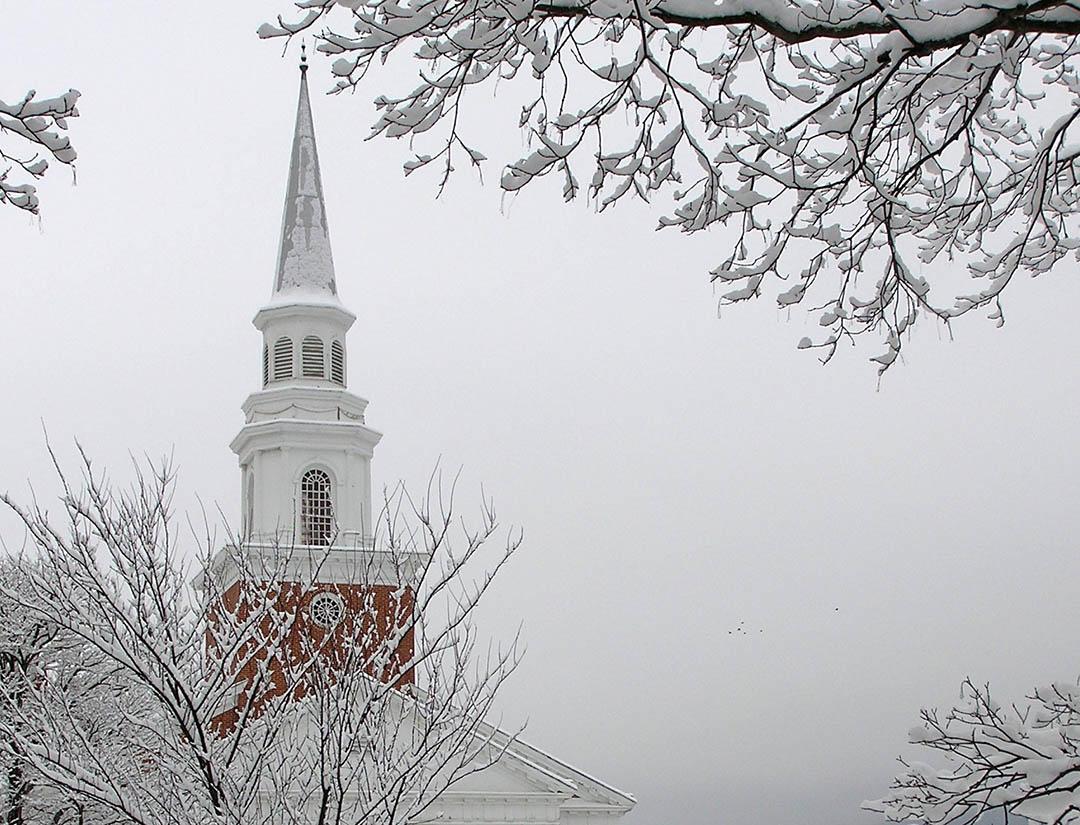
1020,760
880,160
234,699
28,139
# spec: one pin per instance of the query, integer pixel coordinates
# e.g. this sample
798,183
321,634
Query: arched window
312,362
282,358
316,509
337,363
266,364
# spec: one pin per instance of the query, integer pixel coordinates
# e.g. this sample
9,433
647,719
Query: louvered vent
266,364
337,363
313,364
283,359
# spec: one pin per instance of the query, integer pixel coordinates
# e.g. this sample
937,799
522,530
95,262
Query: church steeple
304,324
305,450
305,263
305,456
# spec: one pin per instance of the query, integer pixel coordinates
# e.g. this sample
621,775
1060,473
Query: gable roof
545,771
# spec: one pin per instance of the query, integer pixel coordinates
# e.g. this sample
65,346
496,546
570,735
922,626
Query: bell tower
305,450
306,551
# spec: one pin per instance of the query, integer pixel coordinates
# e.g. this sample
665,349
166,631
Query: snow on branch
1020,759
28,138
132,691
877,161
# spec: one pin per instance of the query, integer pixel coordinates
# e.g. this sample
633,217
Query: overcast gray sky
675,473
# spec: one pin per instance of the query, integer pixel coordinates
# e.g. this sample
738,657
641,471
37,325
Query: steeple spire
305,263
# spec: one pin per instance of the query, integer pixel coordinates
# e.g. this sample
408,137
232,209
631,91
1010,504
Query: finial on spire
303,57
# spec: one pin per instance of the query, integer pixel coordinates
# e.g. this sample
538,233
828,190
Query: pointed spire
304,260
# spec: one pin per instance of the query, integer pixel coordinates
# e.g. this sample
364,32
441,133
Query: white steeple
305,264
305,452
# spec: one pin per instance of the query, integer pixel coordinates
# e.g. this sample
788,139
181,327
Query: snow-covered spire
304,260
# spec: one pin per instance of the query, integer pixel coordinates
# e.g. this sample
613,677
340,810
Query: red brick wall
290,649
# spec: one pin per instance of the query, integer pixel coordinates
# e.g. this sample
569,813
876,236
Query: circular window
326,609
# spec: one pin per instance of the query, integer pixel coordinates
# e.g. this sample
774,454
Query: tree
28,138
35,653
1019,759
852,143
231,708
23,642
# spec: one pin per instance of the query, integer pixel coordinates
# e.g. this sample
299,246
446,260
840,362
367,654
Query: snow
305,262
885,136
29,125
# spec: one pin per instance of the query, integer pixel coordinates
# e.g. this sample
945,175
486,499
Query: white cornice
300,306
286,394
315,565
291,432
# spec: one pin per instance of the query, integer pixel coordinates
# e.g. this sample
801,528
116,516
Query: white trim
291,306
336,564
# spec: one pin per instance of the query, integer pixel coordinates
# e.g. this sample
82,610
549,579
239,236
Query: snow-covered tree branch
40,663
1020,758
231,698
881,160
28,139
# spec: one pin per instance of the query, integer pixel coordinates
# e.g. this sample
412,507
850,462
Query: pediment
526,772
509,778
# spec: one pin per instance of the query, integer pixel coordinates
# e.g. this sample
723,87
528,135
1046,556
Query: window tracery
316,509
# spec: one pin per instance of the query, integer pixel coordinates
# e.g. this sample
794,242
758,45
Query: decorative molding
336,564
